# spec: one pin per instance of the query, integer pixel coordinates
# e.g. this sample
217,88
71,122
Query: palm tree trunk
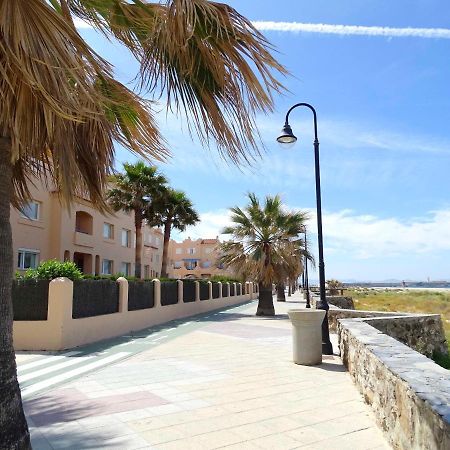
138,250
265,303
281,296
289,288
13,425
167,228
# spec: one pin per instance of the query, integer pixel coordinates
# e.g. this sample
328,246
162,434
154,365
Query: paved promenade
222,380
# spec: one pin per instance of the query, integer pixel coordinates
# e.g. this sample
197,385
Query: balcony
83,239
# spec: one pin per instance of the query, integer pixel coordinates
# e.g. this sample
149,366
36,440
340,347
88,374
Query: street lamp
288,137
308,304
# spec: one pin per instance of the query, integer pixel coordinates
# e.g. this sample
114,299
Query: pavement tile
228,384
278,442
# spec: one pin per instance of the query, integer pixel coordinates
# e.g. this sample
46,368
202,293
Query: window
30,211
208,250
206,264
108,231
27,259
107,267
191,251
177,265
178,251
125,268
126,238
191,265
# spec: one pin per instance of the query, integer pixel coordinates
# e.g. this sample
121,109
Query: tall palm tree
171,210
134,191
62,110
264,243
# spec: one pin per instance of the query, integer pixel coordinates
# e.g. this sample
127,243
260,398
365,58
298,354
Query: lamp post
288,137
308,304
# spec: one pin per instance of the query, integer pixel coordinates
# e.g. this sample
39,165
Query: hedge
30,299
169,293
140,295
94,298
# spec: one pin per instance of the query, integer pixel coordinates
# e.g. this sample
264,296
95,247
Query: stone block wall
422,332
409,393
338,301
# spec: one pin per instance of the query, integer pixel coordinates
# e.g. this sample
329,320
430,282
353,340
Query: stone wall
422,332
409,393
334,300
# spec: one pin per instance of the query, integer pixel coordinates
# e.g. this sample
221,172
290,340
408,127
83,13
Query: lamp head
286,136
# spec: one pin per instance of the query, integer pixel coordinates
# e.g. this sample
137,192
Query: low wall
338,301
409,393
422,332
60,331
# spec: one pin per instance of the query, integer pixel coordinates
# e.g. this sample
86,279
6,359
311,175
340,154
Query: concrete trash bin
307,335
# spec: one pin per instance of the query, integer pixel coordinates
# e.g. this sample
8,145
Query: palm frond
209,61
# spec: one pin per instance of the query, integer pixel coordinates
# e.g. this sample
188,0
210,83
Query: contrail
347,30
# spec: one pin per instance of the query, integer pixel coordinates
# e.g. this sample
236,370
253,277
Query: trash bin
307,335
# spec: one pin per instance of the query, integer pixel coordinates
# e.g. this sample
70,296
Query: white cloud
210,226
357,236
346,30
364,236
81,23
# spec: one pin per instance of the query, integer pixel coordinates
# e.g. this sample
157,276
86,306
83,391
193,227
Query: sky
378,74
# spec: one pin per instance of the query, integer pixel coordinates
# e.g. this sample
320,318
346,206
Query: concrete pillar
123,294
157,292
197,291
220,289
60,307
210,290
180,291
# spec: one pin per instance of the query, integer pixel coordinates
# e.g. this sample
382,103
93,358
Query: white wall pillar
157,292
123,294
180,291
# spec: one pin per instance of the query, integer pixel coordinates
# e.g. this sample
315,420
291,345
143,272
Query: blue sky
383,105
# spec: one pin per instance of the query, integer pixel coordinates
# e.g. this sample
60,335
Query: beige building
98,244
195,259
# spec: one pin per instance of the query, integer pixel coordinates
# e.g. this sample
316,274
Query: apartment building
195,259
99,244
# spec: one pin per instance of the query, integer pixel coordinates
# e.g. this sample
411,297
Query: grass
430,302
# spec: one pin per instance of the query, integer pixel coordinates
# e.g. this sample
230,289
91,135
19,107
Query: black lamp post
308,303
287,137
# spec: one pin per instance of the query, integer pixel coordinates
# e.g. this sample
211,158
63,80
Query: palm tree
62,110
134,191
171,210
265,245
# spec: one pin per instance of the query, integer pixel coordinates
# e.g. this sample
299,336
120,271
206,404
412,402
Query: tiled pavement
224,380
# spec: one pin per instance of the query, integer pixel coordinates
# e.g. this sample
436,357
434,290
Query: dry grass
404,300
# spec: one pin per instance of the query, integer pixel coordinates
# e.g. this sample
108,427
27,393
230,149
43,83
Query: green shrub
225,279
48,270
